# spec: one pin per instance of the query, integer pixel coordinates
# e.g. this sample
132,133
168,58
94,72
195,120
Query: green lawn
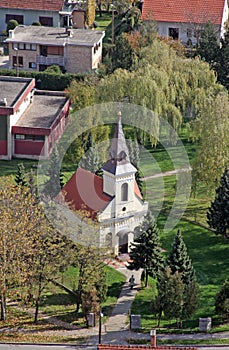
60,304
104,21
209,254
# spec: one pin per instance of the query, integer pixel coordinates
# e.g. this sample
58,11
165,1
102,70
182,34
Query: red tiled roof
48,5
136,190
192,11
84,191
141,347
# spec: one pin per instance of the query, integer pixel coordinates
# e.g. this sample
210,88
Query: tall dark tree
91,161
20,177
218,213
55,182
175,298
222,67
145,252
178,259
222,300
207,47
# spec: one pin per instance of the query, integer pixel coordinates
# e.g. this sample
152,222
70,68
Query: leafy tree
90,13
19,219
55,182
20,177
11,25
49,255
207,46
218,213
145,252
179,261
91,274
211,129
222,300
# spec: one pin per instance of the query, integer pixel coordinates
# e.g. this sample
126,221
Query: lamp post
112,29
17,63
100,325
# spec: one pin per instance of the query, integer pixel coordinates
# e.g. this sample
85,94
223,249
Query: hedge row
45,81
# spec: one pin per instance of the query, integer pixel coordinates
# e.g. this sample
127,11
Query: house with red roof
114,200
183,20
31,121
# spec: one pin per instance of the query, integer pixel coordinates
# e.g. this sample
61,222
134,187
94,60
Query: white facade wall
29,16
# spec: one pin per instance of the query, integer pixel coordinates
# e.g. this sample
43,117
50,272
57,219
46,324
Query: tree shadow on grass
115,289
58,299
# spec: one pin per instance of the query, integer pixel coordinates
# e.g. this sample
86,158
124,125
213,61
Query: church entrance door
123,241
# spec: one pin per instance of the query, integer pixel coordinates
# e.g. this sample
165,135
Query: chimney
11,34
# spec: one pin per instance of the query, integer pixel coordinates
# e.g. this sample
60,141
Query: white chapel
113,200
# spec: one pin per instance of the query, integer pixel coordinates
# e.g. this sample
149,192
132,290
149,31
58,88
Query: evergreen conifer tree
145,251
207,46
20,177
91,161
178,259
218,213
222,300
55,182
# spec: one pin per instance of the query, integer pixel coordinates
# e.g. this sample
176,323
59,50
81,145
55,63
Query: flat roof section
12,88
42,112
55,36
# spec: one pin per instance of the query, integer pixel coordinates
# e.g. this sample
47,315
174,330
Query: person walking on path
132,280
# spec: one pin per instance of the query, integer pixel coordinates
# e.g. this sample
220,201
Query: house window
43,50
17,61
19,137
22,46
32,65
18,18
189,33
46,21
174,33
124,192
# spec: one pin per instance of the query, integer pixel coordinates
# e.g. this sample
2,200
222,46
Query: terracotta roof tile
48,5
85,191
192,11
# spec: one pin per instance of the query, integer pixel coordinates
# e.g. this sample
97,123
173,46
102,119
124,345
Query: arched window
124,192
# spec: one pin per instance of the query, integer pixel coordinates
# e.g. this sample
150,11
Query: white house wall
29,16
163,30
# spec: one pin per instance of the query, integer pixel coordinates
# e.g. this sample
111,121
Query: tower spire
119,159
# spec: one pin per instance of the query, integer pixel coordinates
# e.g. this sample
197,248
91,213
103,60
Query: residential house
34,48
114,200
31,121
50,13
183,20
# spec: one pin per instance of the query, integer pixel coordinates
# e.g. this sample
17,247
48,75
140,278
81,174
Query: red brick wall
141,347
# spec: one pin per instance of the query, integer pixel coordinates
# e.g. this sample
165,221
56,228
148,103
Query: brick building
34,48
31,121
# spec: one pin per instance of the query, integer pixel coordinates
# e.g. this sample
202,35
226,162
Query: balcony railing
50,60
